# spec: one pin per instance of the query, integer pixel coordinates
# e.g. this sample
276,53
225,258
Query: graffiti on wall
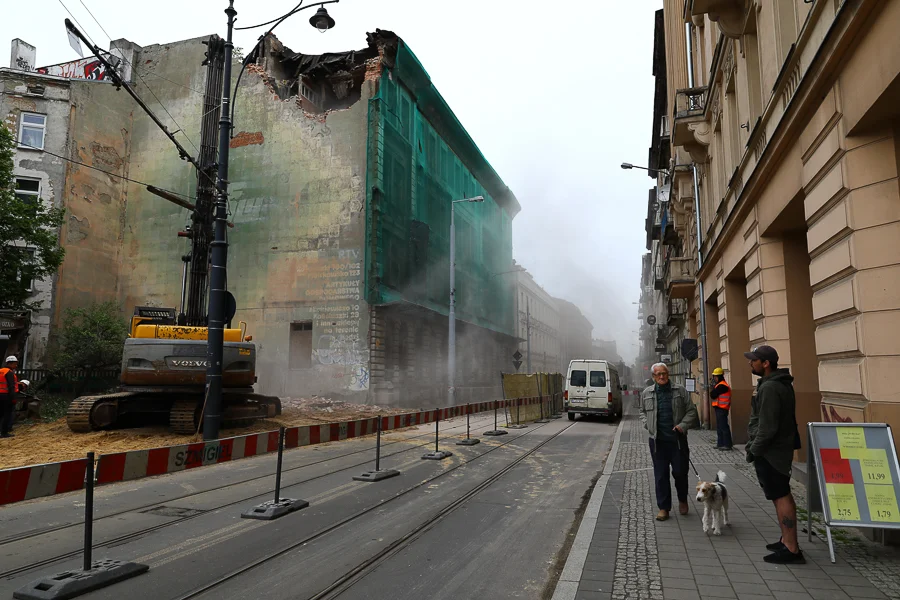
830,415
84,68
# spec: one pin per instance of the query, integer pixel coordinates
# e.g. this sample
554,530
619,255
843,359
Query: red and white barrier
36,481
45,480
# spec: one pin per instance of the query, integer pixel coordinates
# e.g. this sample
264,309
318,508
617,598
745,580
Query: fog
556,95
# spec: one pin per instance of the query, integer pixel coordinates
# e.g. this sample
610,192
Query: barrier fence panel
37,481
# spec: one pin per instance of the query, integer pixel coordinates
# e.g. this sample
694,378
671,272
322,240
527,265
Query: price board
854,478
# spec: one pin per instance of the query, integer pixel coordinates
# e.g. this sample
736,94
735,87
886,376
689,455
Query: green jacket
773,422
683,410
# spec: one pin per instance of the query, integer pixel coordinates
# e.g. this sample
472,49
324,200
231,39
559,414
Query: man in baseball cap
773,439
9,387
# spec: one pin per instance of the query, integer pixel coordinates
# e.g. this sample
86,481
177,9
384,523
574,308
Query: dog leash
689,457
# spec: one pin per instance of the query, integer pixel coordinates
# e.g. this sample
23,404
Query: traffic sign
517,355
517,364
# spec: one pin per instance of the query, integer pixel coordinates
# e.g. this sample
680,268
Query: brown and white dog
714,496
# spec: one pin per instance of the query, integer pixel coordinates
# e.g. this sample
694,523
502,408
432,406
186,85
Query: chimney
127,53
23,56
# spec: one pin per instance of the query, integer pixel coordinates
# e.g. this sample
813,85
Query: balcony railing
680,277
677,312
690,105
690,102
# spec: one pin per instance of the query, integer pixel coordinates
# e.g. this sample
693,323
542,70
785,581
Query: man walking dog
667,413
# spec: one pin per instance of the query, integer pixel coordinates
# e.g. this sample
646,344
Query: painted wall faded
296,249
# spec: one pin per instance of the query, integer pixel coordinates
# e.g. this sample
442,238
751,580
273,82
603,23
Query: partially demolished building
342,172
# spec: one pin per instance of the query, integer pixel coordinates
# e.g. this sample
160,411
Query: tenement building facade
782,127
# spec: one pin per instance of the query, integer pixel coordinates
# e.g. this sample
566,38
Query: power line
76,21
110,173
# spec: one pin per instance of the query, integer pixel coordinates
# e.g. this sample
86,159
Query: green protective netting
420,160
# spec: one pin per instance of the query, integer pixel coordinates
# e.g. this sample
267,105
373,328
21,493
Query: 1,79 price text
883,514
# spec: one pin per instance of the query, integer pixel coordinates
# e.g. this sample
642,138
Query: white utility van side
593,388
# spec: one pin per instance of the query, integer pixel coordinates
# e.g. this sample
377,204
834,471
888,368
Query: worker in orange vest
9,387
721,396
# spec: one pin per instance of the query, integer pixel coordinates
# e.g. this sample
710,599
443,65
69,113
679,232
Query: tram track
346,581
141,532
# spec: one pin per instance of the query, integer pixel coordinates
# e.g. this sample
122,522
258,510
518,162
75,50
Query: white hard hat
10,359
25,382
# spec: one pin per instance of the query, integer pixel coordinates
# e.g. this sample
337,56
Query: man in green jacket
772,433
667,413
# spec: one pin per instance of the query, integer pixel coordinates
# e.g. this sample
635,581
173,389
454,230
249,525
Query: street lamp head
477,199
321,20
627,166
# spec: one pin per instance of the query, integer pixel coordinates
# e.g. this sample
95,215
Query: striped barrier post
94,574
469,441
273,509
378,474
495,431
438,454
37,481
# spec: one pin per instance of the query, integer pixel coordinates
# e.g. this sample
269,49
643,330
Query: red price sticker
835,468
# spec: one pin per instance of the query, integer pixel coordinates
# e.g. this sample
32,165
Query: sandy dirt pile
52,442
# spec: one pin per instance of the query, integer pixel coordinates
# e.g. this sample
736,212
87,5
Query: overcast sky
556,95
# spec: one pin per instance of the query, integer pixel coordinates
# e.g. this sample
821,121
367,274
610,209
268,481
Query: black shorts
774,483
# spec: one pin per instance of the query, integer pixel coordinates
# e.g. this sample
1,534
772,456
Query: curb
567,586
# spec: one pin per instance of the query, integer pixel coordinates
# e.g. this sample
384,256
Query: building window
26,277
28,190
300,356
31,130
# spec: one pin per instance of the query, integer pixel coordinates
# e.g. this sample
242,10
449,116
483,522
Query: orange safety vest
724,400
3,388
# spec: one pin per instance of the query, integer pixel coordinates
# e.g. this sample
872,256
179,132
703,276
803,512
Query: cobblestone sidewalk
633,556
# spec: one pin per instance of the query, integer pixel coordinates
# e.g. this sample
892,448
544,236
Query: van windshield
579,378
598,379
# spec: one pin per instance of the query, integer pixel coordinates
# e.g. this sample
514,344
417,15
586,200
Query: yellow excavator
164,373
164,361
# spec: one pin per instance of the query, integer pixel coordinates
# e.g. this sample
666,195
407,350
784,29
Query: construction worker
9,387
721,395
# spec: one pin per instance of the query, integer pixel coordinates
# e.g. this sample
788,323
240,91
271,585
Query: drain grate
173,511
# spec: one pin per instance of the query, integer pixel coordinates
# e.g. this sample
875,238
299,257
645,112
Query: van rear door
577,385
598,387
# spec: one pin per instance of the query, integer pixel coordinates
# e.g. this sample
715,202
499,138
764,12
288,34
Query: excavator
164,360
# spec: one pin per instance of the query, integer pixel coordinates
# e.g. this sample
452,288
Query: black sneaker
775,546
785,557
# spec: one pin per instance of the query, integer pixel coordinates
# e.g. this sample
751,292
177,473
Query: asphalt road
491,521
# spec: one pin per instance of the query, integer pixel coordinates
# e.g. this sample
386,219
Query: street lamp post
702,307
212,410
451,337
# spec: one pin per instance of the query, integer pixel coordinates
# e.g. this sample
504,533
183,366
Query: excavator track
80,415
183,417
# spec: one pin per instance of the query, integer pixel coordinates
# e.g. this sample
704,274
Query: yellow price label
842,501
875,466
851,440
882,501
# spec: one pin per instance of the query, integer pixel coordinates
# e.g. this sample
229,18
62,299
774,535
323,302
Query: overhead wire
135,71
110,173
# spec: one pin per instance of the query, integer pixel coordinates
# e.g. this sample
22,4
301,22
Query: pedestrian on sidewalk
721,395
773,439
667,413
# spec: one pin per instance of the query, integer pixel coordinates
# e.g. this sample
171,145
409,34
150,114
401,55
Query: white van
593,388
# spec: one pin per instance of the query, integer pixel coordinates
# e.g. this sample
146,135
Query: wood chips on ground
38,443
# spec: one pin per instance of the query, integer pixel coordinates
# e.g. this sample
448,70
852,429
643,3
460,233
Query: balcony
677,312
690,105
680,277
